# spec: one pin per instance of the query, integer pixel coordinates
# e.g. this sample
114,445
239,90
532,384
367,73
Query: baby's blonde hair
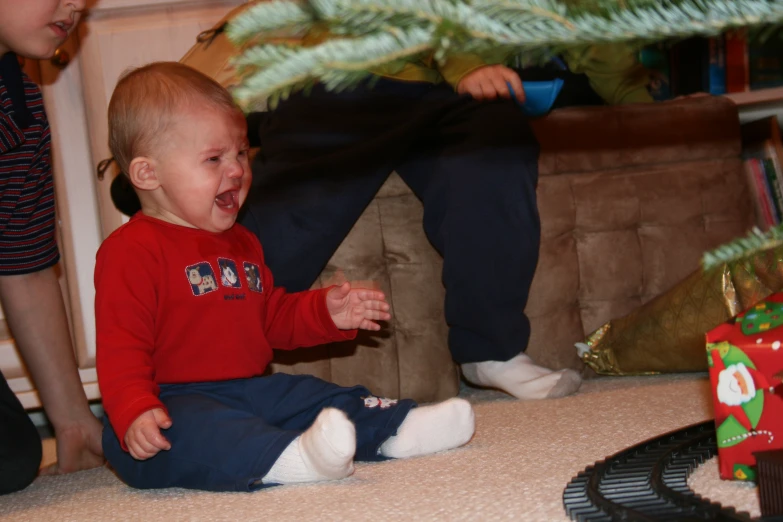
147,100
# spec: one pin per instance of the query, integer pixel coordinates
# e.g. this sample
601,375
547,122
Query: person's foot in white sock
324,452
429,429
522,378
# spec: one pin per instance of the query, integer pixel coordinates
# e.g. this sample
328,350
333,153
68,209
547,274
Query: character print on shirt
378,402
228,273
201,278
253,277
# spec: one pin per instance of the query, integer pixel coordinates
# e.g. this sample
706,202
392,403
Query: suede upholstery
629,197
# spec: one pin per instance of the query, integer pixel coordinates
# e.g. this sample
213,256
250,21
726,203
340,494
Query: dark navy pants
225,436
474,165
20,444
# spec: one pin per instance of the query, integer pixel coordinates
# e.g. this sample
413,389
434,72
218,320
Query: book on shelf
762,154
727,63
737,71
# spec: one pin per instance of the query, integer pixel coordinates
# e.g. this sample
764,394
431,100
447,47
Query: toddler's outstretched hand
489,83
144,439
356,307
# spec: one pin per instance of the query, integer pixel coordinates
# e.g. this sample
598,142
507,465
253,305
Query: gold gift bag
667,333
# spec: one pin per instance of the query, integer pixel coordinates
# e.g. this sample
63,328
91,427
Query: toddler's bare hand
352,308
144,439
489,82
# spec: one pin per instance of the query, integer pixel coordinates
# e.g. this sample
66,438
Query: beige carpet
515,468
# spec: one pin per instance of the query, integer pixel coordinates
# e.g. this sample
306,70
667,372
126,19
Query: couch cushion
633,207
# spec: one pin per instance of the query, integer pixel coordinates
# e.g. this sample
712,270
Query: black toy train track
648,482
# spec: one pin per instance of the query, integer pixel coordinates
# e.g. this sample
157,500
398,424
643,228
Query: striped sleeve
27,205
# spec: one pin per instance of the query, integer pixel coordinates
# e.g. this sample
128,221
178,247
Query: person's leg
34,309
220,443
323,157
324,451
20,445
430,429
385,428
477,178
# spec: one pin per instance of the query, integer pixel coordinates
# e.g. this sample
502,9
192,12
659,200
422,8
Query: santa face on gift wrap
739,389
742,426
735,385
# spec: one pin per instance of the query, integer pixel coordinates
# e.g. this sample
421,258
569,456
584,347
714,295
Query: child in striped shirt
29,286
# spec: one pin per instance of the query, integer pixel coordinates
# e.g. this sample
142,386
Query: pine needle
527,30
744,248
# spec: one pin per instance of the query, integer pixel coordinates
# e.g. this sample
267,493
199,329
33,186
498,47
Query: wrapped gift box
746,368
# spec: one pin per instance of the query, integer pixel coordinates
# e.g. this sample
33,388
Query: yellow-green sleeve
614,72
456,67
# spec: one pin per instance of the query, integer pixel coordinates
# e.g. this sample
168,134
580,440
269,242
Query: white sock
324,452
429,429
522,378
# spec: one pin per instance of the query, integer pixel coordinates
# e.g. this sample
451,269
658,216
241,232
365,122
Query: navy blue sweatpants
225,436
474,165
20,444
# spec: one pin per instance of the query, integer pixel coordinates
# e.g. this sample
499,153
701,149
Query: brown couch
629,197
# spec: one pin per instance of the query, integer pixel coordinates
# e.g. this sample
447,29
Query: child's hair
146,101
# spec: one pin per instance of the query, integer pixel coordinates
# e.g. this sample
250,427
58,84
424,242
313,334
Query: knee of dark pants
21,461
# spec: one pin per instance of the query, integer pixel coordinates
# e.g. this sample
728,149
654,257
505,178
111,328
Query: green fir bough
372,33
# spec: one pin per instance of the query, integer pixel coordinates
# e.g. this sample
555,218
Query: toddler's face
203,169
36,28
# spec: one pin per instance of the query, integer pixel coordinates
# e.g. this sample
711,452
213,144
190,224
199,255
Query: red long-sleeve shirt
177,305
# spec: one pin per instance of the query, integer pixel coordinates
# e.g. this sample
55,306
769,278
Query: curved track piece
649,482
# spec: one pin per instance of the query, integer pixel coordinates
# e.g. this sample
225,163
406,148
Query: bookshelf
744,99
762,154
742,67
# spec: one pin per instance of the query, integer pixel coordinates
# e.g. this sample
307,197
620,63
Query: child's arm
295,320
614,72
33,306
321,316
33,301
491,82
298,319
126,286
455,68
469,74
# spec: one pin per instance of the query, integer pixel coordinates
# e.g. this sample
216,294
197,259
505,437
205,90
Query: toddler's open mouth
228,200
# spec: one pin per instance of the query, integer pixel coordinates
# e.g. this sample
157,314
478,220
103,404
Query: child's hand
357,307
489,82
144,439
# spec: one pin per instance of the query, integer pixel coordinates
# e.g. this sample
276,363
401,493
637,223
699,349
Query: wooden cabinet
115,35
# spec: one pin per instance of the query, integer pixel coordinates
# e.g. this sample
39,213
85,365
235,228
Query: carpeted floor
515,468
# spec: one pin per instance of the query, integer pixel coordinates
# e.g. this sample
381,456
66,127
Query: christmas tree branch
270,17
373,33
743,248
338,64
